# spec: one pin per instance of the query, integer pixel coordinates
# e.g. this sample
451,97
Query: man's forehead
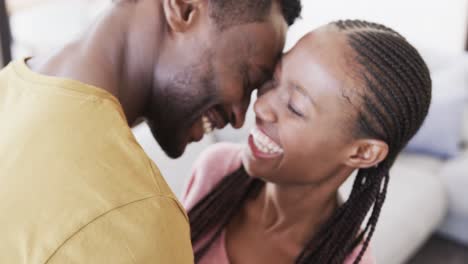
267,41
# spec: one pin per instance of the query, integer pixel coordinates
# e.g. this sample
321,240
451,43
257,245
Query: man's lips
222,118
212,119
196,132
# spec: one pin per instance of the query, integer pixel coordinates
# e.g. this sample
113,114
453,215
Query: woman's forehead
320,54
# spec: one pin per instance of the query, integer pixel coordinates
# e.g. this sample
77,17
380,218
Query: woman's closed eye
294,110
299,101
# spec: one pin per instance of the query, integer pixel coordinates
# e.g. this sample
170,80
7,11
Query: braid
394,106
395,101
379,65
222,203
395,62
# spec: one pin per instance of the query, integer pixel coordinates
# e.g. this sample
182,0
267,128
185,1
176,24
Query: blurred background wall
428,24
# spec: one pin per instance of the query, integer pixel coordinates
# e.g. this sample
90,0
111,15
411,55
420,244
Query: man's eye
246,83
294,111
266,87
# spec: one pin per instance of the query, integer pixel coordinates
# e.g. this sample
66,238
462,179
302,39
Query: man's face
214,88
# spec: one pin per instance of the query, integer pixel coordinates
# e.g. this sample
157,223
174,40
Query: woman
348,96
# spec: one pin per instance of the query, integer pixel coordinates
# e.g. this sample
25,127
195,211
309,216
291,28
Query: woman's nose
264,109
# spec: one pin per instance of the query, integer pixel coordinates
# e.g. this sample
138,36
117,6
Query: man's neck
108,57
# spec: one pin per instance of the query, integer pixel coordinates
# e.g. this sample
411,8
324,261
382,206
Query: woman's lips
263,146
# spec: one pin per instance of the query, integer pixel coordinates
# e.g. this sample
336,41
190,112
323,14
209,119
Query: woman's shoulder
213,164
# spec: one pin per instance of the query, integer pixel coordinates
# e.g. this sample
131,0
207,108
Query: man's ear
367,153
181,14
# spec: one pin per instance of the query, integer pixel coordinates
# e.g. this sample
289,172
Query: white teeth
264,143
207,125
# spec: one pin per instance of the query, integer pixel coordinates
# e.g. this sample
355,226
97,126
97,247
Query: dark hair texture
394,105
227,13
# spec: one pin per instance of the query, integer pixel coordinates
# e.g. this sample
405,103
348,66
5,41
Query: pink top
213,164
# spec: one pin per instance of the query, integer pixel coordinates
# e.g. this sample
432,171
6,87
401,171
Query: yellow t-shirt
75,186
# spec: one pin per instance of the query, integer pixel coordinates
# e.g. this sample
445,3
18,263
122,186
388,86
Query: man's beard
178,106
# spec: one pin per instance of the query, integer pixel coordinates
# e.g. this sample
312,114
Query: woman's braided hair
394,105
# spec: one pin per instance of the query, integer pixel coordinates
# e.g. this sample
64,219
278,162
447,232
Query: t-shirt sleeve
215,163
152,230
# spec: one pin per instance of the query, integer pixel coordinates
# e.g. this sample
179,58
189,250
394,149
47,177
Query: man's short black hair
231,12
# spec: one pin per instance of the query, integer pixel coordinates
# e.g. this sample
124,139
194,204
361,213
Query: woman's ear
181,14
367,153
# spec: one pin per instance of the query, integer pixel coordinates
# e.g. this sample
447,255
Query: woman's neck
296,212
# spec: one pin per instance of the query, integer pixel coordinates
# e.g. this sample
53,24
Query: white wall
435,24
428,24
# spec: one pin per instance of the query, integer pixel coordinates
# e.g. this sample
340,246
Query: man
75,187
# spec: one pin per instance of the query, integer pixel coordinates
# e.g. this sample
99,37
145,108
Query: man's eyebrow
267,72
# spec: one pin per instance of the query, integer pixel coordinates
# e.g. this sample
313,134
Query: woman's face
304,116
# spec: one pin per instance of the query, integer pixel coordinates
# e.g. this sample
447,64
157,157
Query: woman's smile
262,146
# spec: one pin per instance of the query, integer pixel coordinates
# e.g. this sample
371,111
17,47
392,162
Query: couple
77,188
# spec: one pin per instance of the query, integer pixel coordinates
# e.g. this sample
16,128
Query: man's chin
174,151
172,147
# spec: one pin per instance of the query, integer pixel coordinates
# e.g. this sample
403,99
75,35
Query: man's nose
239,110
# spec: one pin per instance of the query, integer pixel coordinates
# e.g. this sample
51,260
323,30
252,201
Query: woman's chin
261,174
256,168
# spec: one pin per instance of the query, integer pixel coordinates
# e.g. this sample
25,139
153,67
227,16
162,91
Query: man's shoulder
121,194
153,229
90,227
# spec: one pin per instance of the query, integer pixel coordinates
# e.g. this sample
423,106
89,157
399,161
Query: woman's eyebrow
305,94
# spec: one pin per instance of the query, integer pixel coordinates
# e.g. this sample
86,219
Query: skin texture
166,61
309,109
